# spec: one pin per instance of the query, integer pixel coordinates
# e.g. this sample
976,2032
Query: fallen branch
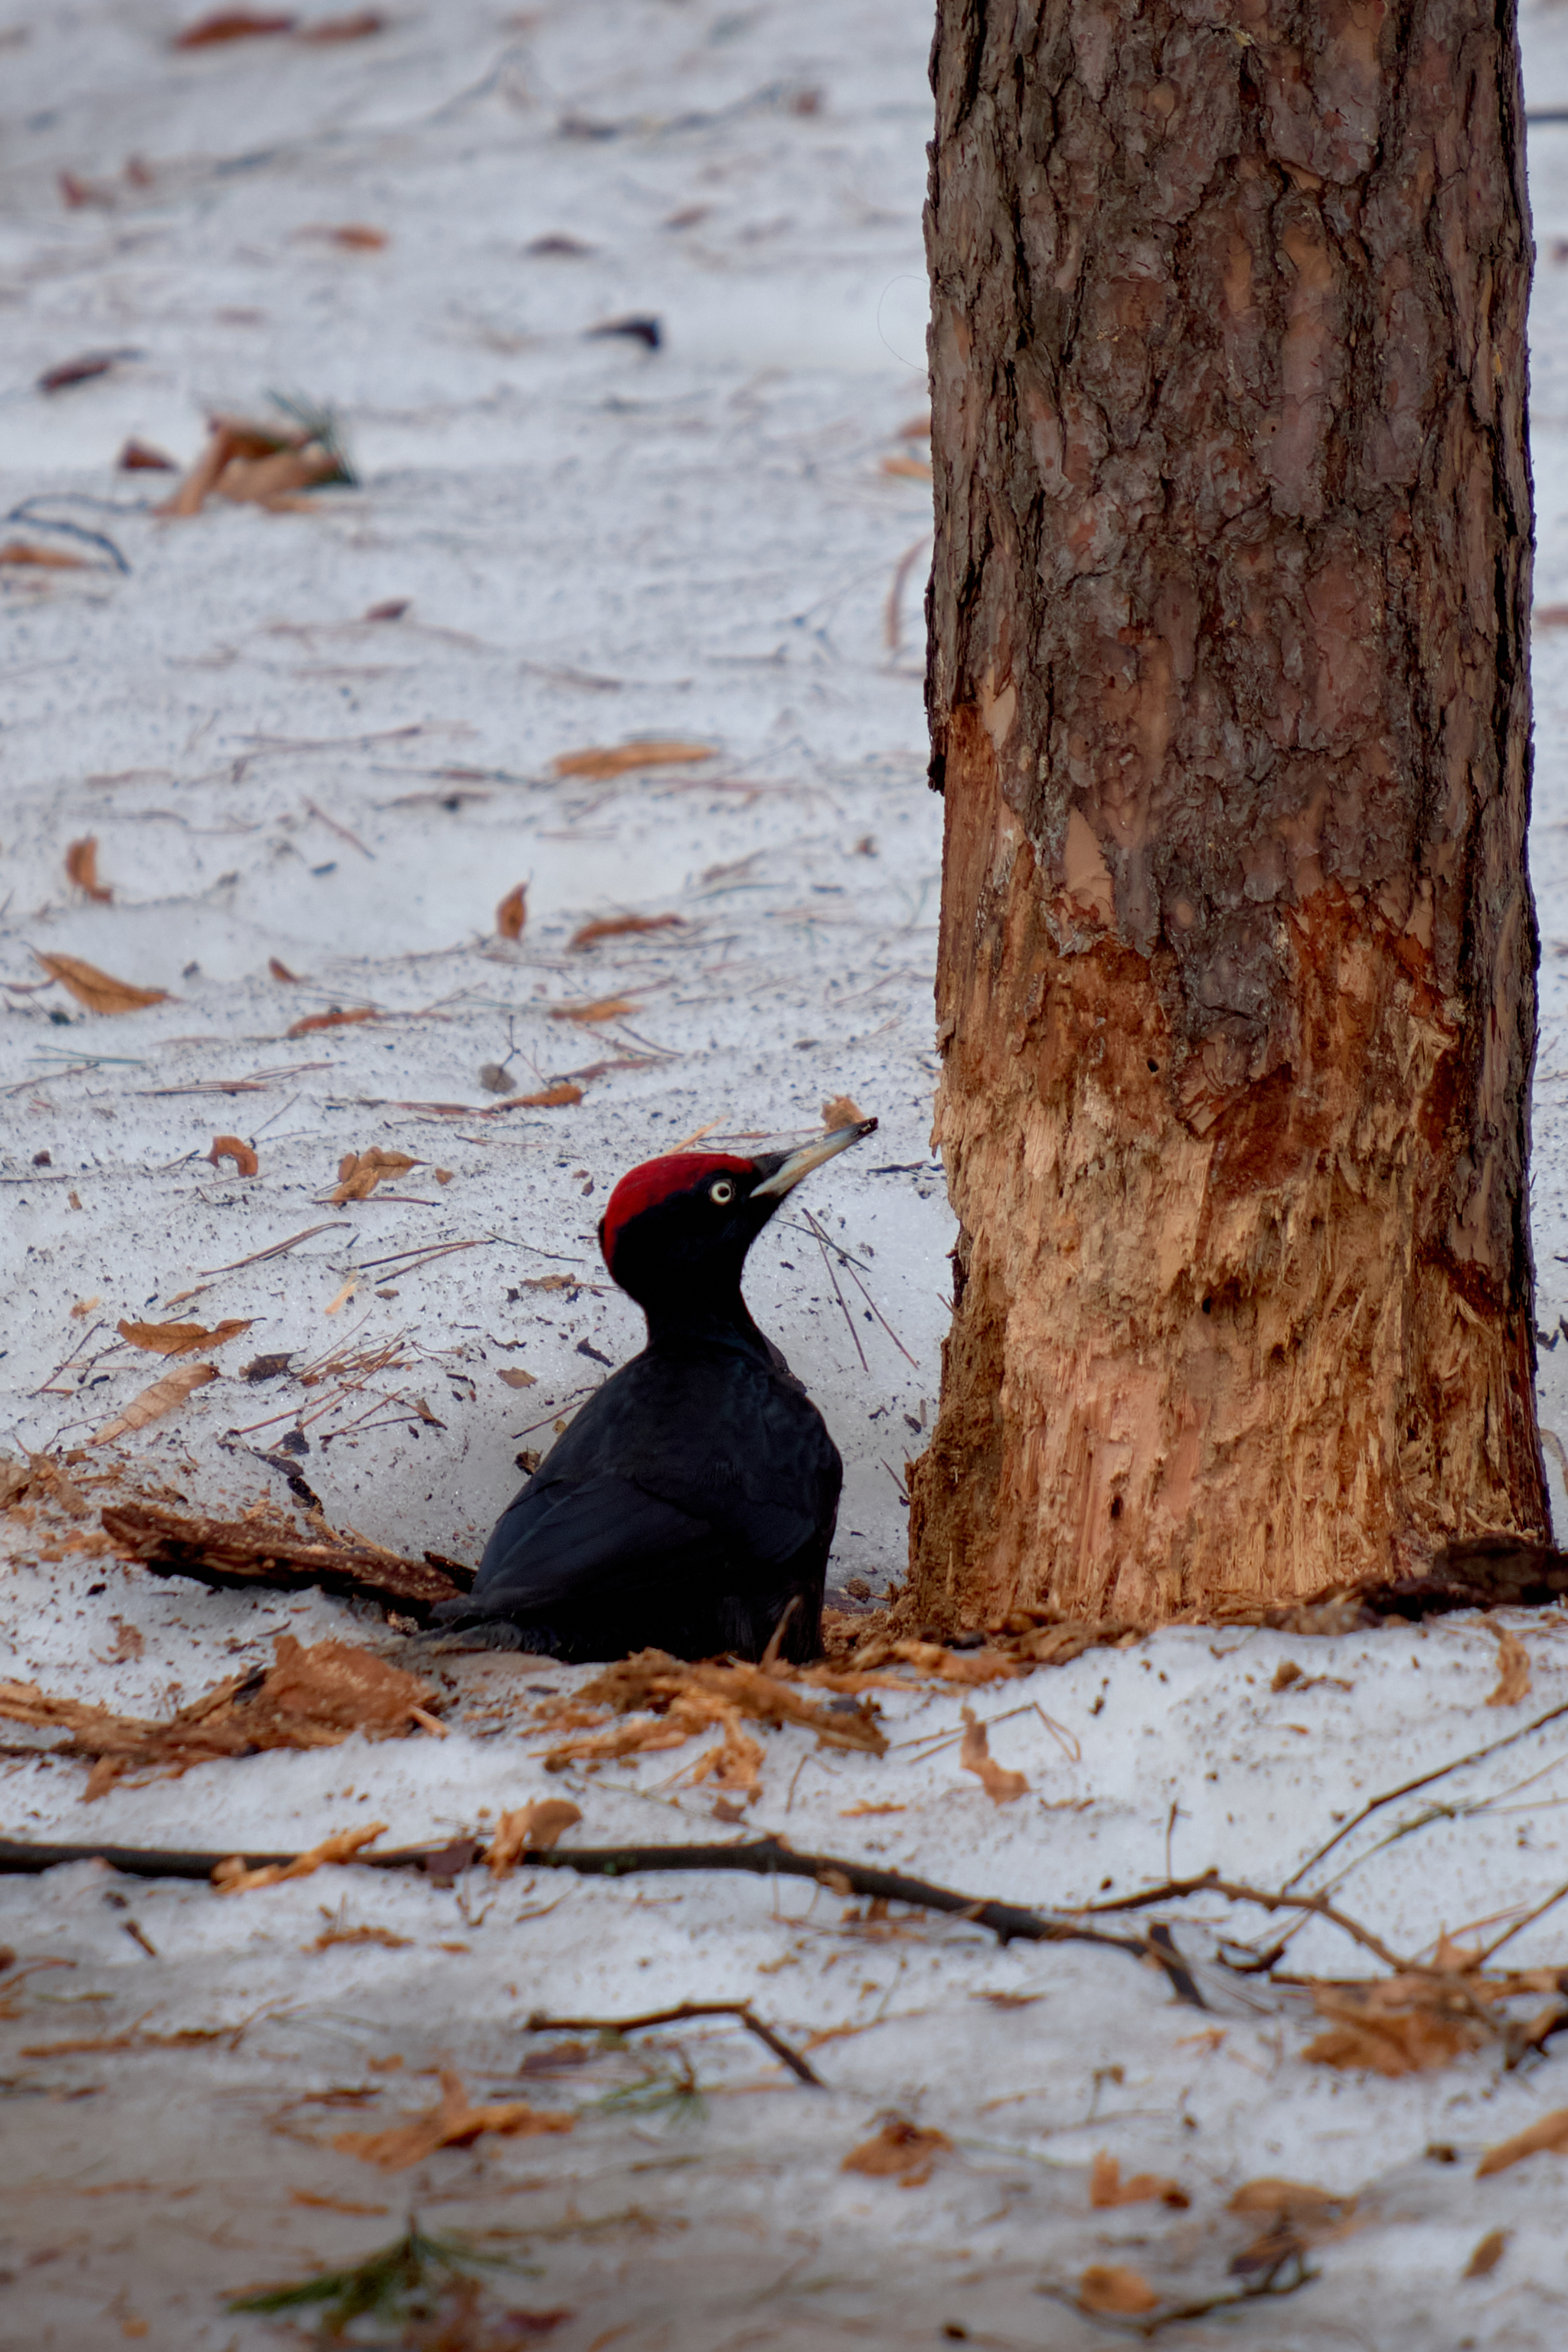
246,1552
739,2009
1176,1890
764,1857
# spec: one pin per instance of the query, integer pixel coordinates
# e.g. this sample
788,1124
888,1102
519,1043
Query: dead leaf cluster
360,1172
666,1702
1414,2021
254,463
308,1698
454,2123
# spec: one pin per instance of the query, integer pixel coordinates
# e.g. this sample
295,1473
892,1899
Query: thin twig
1175,1890
279,1249
1425,1780
739,2009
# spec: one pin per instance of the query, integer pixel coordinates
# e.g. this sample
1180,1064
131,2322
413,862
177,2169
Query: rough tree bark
1229,699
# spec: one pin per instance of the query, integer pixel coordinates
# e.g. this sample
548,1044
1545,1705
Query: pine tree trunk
1229,699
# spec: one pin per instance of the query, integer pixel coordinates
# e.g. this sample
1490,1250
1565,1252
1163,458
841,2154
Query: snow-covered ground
599,541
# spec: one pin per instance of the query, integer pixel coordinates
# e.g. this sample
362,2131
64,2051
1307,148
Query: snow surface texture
601,541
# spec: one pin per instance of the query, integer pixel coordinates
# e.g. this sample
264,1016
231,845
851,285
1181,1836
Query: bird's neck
706,1318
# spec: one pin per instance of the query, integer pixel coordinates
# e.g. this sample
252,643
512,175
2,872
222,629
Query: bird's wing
575,1542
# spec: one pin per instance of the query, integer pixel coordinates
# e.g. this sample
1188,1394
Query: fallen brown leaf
84,1306
615,926
1513,1671
1546,2136
842,1111
512,913
235,1147
599,1008
81,867
162,1397
1487,2253
620,759
974,1755
231,1877
140,457
231,25
1112,2287
560,1096
355,27
531,1829
280,970
516,1378
334,1018
359,1173
98,990
453,2124
1107,2187
22,551
913,469
902,2151
80,370
180,1339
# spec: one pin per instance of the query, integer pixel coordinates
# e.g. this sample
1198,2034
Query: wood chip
599,1008
974,1755
512,913
81,867
453,2124
231,1877
1513,1671
162,1397
100,992
843,1110
235,1147
1488,2251
621,759
531,1829
615,927
1107,2187
1112,2287
902,2151
1546,2136
335,1018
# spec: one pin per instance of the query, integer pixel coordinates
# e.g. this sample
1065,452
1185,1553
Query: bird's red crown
645,1187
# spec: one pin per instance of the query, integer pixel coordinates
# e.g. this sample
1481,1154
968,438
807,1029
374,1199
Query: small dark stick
739,2009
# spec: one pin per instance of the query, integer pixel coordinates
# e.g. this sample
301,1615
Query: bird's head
676,1231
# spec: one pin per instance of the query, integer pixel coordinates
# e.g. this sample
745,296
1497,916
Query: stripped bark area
1229,699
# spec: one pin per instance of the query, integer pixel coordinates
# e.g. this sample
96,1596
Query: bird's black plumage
691,1502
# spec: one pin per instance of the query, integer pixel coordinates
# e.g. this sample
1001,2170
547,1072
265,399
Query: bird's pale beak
796,1164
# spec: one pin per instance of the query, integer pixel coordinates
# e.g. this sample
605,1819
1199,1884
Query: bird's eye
723,1191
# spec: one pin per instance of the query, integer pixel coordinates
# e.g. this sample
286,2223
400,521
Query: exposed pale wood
1229,697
